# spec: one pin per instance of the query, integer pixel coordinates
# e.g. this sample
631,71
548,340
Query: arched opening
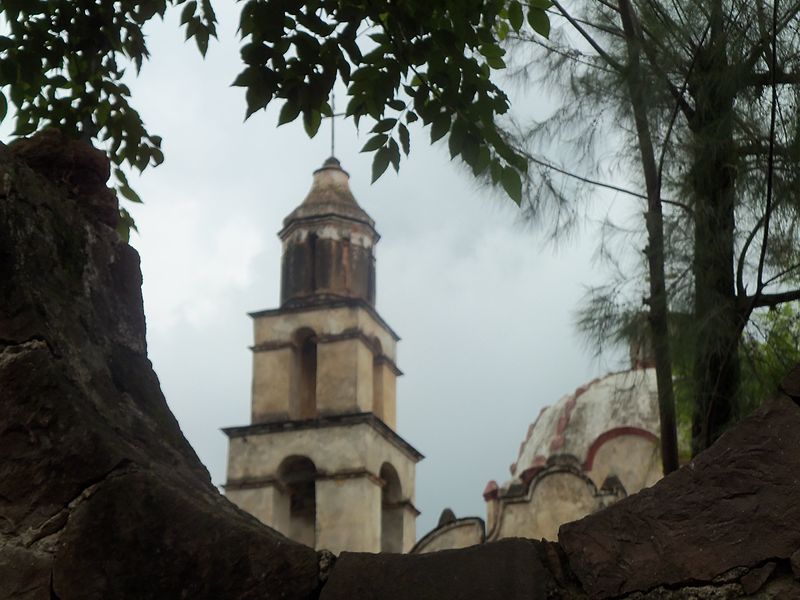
391,510
306,405
377,379
298,476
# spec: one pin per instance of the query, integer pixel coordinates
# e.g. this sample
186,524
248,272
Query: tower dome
328,243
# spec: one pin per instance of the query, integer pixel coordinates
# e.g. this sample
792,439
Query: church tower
321,461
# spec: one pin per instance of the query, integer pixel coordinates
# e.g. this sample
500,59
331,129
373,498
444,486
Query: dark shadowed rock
511,569
101,496
735,505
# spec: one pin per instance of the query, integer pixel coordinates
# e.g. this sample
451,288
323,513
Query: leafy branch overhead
62,64
401,61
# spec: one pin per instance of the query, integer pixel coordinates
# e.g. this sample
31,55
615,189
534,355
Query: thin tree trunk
716,359
658,313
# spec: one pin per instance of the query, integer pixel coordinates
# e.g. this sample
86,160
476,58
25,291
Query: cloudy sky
484,306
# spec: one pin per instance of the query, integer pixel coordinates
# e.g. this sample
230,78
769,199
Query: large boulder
730,517
101,496
511,569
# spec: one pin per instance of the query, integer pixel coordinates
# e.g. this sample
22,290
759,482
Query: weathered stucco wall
352,348
348,459
555,499
634,459
461,533
280,325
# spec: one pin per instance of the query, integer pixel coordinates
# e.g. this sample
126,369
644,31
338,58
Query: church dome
575,427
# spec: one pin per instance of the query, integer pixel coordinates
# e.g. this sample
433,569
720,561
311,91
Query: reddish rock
734,505
101,496
755,579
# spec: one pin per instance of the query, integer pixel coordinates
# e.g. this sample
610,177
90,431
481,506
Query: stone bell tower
321,461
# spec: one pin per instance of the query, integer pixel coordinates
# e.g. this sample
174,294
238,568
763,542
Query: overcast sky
484,307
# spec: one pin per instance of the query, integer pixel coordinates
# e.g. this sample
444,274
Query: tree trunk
716,370
658,313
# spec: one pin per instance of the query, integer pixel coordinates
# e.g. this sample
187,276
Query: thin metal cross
333,116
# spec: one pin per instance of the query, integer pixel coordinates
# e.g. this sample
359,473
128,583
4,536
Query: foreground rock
512,569
100,494
729,518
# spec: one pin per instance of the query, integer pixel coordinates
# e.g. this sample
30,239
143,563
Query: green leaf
202,41
384,125
484,157
394,154
289,113
502,30
120,175
311,122
470,151
188,12
515,16
496,63
379,163
492,51
540,4
405,139
440,126
3,106
157,155
129,194
456,141
375,142
511,183
539,21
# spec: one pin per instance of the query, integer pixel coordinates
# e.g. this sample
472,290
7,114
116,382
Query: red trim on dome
610,435
491,491
528,474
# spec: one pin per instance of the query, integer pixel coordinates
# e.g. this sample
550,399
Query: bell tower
321,461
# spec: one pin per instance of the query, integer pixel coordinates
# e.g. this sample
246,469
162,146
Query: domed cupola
328,244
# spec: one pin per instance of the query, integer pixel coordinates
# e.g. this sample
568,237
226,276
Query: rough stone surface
755,579
734,505
511,569
101,496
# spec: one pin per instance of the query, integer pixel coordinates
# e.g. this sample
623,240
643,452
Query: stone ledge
327,421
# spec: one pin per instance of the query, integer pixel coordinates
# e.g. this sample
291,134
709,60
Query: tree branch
771,154
781,77
769,300
585,34
743,257
782,273
609,186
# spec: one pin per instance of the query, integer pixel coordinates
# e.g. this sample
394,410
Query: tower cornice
313,304
321,422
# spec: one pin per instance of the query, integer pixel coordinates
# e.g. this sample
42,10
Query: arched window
306,402
377,379
298,476
391,510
